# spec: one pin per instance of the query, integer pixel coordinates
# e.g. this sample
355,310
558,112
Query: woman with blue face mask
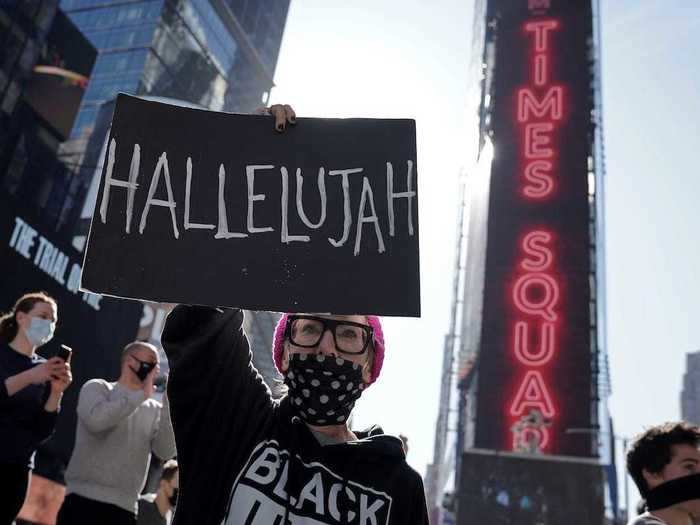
31,389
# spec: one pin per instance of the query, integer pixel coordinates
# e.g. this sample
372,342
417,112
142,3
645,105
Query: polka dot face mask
323,389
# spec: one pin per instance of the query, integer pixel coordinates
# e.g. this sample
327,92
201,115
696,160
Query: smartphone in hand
64,352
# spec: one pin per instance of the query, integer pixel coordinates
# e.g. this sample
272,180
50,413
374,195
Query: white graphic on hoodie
263,495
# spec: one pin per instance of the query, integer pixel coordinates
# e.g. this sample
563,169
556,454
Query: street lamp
625,441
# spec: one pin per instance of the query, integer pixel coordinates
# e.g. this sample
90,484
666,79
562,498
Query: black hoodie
246,459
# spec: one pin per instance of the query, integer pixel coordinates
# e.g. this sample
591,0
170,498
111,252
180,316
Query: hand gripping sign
202,207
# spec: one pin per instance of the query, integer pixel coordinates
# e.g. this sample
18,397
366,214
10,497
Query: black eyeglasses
307,331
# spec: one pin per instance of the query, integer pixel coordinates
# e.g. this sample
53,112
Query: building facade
527,356
214,54
220,54
46,63
24,27
690,395
260,328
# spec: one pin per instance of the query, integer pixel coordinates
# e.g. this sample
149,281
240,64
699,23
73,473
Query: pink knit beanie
378,340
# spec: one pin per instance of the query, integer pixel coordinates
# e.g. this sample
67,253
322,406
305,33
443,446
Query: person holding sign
31,389
248,459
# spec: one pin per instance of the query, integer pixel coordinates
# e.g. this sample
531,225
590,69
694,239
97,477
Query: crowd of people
245,455
119,425
242,456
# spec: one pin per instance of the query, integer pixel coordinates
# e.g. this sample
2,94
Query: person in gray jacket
119,425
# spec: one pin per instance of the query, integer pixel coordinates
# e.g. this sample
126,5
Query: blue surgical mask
40,331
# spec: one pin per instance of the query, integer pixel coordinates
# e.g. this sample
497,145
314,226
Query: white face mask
40,331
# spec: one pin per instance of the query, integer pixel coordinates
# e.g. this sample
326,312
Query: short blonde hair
134,346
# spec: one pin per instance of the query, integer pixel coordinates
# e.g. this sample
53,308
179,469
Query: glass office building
217,54
45,62
220,54
24,27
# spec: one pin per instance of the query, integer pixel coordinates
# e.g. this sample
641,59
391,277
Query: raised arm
210,359
99,409
163,442
219,405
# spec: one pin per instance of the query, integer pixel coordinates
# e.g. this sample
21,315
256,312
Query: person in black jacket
246,459
31,389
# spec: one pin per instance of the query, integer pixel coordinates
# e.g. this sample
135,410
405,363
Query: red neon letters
551,103
535,293
541,29
544,104
535,290
532,394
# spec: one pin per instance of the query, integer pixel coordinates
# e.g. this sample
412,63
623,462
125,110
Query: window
204,23
84,121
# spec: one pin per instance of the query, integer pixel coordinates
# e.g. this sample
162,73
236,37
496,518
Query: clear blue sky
408,58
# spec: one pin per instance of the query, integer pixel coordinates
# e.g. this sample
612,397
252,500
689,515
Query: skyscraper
690,395
217,54
220,54
527,352
45,63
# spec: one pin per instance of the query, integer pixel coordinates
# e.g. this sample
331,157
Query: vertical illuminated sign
535,361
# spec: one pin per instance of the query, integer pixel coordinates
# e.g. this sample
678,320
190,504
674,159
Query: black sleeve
219,404
45,425
421,510
4,394
45,422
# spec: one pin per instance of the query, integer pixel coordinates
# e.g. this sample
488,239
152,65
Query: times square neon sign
536,290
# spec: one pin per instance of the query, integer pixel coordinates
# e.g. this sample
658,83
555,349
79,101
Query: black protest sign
210,208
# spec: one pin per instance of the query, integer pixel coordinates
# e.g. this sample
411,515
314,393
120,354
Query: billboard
536,382
509,489
61,74
95,327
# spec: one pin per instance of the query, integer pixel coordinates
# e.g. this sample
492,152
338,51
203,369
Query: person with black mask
158,508
664,463
248,459
119,425
31,389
